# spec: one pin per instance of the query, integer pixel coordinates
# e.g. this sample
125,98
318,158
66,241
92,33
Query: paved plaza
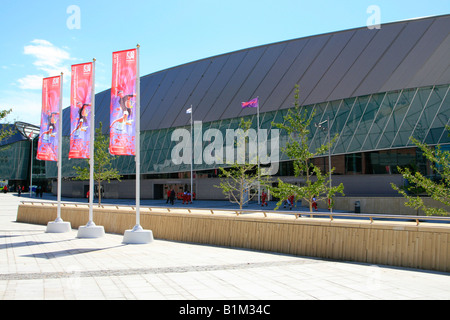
43,266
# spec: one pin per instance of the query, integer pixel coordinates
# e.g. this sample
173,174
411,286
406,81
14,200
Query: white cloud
25,106
31,82
48,59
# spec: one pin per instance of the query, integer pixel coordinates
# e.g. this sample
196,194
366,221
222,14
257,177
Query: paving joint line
139,271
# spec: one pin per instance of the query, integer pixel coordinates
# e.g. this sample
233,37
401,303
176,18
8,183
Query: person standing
185,197
314,203
168,195
263,199
172,196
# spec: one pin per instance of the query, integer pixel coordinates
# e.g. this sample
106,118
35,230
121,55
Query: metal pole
257,156
31,171
138,143
91,150
192,159
329,157
60,118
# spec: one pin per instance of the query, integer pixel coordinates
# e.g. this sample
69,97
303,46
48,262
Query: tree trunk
99,193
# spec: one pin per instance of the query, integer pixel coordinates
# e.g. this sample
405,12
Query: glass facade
368,127
15,161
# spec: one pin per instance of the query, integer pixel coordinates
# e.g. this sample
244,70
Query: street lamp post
320,126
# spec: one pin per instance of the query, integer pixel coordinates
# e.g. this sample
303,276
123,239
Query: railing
237,212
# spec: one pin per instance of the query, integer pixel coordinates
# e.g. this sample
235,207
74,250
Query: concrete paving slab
35,265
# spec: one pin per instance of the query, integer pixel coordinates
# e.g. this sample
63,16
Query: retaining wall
403,244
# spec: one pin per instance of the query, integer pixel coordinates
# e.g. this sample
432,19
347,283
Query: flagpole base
58,226
137,235
90,230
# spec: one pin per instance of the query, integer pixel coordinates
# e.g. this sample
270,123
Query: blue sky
44,38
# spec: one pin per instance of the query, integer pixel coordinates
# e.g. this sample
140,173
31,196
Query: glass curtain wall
369,123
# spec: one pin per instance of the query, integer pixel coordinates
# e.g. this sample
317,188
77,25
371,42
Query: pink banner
254,103
48,139
80,110
123,103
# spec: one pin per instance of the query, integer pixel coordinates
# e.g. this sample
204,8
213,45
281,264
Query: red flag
48,139
123,103
80,110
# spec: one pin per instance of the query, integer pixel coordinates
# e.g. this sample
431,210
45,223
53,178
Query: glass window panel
382,115
368,116
339,123
353,138
318,135
330,111
353,163
277,118
395,121
438,125
266,120
445,137
418,102
428,114
145,140
444,118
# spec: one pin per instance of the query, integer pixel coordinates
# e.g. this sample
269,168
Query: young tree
102,163
316,184
237,181
438,190
6,131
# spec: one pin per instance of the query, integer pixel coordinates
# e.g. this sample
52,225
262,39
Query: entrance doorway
158,191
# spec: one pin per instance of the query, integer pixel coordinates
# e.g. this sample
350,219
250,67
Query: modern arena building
377,87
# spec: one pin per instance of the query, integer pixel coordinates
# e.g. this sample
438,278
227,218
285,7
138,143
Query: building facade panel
376,88
392,57
418,56
341,65
323,62
366,62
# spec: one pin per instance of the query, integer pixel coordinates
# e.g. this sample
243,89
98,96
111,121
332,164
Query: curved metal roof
328,67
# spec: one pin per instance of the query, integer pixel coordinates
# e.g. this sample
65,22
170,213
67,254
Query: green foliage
237,181
6,131
103,170
313,184
438,190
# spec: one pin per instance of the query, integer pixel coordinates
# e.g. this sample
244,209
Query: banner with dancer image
123,103
80,110
48,139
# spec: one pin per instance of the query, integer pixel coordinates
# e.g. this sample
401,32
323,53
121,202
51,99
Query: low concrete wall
382,205
426,246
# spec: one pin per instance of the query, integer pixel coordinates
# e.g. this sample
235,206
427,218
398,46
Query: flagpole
192,158
60,118
31,174
91,230
138,235
59,226
138,143
91,150
257,154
